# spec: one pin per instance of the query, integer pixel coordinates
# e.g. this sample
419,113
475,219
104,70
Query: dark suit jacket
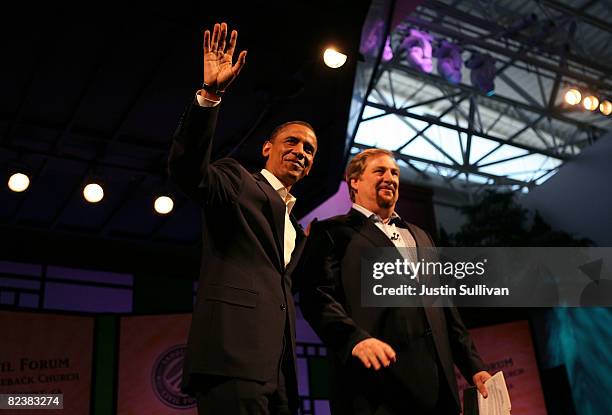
330,298
244,305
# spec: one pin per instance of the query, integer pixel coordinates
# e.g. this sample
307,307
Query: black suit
244,309
426,340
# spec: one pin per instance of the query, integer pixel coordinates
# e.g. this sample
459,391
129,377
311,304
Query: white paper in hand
498,400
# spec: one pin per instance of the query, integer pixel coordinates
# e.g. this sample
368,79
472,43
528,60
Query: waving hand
218,69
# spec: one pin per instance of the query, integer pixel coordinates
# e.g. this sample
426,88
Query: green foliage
497,220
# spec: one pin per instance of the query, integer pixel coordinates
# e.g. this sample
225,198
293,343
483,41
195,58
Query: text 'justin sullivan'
445,290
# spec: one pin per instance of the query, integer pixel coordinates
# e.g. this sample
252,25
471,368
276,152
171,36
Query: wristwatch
212,90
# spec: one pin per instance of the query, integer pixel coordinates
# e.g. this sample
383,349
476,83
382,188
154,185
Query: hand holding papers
497,403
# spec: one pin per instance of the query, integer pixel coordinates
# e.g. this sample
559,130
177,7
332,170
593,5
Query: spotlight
163,205
590,103
418,48
387,51
483,72
374,33
605,107
573,96
449,61
18,182
93,193
333,58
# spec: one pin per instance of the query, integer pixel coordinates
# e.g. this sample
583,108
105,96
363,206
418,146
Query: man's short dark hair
358,164
280,128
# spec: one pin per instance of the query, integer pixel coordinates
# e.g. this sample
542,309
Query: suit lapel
368,229
277,217
300,241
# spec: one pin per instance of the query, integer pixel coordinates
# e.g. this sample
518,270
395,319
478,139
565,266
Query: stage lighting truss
451,134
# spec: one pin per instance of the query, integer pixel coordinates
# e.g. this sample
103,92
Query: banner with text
47,354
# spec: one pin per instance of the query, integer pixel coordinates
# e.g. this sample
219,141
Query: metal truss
526,112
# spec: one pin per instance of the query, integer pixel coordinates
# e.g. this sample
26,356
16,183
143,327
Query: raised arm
189,163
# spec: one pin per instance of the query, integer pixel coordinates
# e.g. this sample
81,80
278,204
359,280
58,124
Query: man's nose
298,151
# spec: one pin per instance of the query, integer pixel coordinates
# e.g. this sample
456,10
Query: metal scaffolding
474,141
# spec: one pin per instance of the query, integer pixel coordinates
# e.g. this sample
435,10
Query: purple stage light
387,51
483,72
372,38
419,51
449,61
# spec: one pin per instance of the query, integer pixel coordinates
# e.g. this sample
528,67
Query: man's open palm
218,69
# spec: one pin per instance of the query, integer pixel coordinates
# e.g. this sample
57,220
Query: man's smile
295,162
387,188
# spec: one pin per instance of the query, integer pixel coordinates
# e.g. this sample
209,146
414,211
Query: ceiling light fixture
573,96
163,205
605,107
18,182
333,58
590,102
93,193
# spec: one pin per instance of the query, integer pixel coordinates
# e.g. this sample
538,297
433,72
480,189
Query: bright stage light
387,51
333,58
93,193
163,205
419,50
573,96
605,107
590,103
18,182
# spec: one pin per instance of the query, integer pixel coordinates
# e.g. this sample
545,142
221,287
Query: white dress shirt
289,200
401,237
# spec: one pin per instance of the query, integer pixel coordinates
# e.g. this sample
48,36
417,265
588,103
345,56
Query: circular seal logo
166,378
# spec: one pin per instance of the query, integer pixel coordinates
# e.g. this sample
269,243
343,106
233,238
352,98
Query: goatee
384,202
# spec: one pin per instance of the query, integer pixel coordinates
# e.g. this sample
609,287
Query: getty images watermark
486,277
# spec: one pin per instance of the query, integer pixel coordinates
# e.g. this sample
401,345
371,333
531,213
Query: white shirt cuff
205,102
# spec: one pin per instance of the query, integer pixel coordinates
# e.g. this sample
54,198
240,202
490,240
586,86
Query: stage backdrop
47,353
151,365
508,347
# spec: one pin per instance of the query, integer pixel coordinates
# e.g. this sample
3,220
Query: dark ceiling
97,91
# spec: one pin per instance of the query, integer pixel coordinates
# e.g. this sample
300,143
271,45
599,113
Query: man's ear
265,150
354,184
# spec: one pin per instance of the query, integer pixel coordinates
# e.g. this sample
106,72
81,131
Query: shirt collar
282,191
371,215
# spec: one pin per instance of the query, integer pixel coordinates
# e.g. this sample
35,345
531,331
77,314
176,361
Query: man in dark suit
383,360
241,349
